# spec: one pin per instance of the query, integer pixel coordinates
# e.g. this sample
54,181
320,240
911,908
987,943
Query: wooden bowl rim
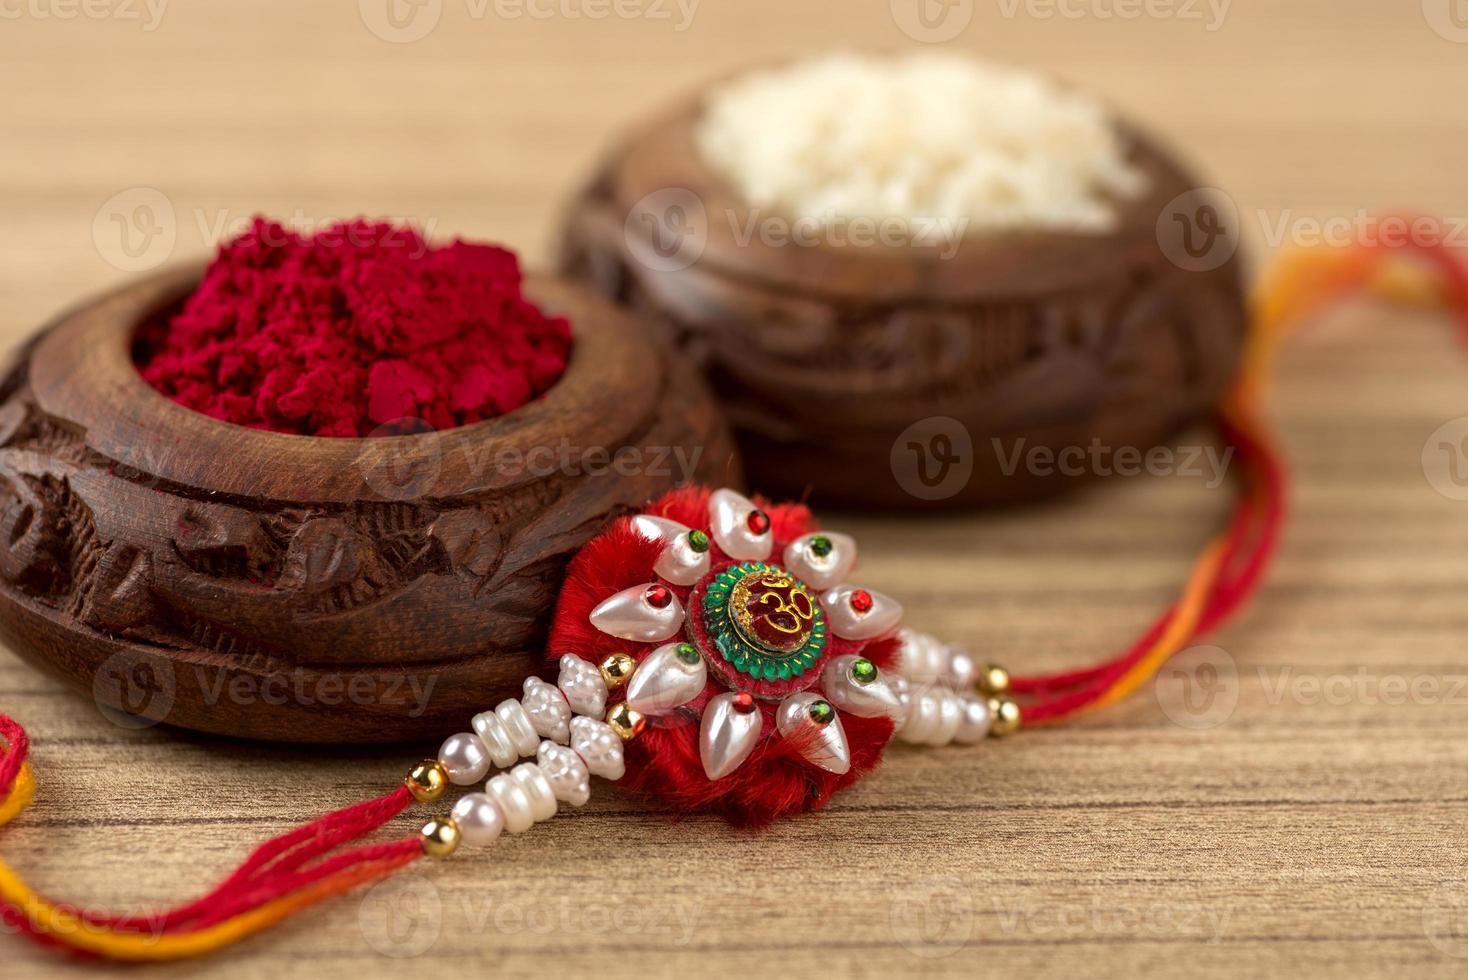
125,419
661,154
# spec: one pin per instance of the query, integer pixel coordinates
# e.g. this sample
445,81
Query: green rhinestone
821,712
688,653
784,671
769,671
820,546
863,671
698,541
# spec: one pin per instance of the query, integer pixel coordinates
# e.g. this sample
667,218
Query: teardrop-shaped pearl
663,682
679,563
870,699
657,528
729,517
821,571
849,623
823,744
630,616
727,735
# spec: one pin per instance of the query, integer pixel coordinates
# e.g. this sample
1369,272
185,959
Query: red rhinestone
658,596
861,601
743,702
758,522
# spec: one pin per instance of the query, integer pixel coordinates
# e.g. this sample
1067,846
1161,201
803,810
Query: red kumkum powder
358,330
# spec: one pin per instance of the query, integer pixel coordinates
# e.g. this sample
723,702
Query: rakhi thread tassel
282,876
1232,565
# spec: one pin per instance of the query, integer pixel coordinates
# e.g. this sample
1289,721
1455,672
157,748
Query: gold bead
993,679
1006,716
440,837
626,722
616,669
427,781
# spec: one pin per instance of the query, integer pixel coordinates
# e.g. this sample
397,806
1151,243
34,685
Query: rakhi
712,652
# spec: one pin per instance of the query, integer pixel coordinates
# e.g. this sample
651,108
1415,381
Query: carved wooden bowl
890,376
185,570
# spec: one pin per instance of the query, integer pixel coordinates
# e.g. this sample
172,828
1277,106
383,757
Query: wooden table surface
1299,808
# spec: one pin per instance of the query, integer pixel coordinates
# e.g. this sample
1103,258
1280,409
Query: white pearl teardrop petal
599,747
870,699
479,818
729,517
464,758
824,745
629,616
657,528
583,685
817,571
678,563
847,623
663,682
547,709
568,775
727,736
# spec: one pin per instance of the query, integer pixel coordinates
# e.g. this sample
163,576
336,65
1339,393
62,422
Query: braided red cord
280,867
1251,540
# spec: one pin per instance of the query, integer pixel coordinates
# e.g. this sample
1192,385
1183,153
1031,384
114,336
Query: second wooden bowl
862,374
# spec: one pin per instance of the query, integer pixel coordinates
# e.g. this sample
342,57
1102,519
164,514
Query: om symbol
779,611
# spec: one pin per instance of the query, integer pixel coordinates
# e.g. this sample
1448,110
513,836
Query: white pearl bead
568,775
976,721
934,716
599,747
963,669
547,709
492,733
950,716
465,759
513,801
583,686
538,788
923,660
479,818
517,726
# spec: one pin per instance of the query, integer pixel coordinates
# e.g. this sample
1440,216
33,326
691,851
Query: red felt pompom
663,762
